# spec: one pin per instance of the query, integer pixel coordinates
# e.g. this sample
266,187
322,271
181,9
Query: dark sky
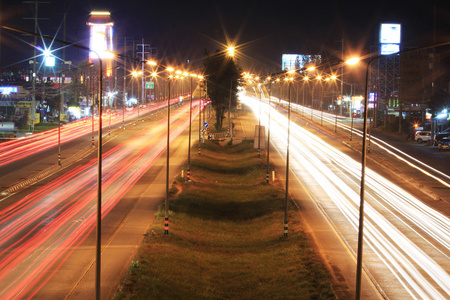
262,30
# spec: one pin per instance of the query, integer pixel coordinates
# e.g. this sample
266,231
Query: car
444,144
423,136
440,135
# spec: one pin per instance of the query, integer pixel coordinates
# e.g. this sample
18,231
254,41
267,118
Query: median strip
226,237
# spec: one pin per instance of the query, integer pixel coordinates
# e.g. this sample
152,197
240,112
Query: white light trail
404,237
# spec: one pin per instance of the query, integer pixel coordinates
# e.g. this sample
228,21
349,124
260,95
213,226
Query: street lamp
200,121
136,74
230,51
188,174
166,219
259,120
59,119
268,129
287,162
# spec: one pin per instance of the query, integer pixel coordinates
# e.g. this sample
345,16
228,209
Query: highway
46,226
14,150
407,243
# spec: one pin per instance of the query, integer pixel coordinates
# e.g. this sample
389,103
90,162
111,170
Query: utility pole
143,52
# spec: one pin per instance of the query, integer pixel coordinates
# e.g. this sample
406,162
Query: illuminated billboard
390,34
390,37
386,49
298,61
101,35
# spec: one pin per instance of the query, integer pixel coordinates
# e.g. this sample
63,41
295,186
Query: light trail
407,243
39,231
14,150
397,153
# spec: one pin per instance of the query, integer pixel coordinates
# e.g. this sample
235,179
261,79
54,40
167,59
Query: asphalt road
328,180
71,273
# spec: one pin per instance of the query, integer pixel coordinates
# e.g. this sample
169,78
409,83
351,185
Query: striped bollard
285,229
166,225
188,175
199,150
267,177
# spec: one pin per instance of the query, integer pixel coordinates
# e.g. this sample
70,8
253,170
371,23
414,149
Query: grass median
225,238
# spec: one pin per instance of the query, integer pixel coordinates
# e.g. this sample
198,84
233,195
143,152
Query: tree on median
222,73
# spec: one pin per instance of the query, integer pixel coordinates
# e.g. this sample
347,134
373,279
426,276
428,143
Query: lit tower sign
389,38
101,35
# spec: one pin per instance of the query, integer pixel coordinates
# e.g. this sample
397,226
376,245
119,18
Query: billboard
298,61
390,33
390,38
386,49
101,35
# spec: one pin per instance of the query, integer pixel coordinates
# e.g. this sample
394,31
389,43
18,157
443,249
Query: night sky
261,30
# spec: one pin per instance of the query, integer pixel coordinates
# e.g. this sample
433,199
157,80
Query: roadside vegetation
225,238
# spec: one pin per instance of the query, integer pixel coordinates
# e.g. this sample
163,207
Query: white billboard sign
390,33
386,49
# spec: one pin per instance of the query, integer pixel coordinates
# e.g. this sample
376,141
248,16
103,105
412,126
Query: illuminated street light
352,61
230,51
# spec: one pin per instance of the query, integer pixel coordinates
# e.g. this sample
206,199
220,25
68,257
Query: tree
222,73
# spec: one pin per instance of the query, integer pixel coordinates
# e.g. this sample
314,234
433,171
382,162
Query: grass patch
226,238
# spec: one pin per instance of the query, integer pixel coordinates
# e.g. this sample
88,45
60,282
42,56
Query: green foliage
222,73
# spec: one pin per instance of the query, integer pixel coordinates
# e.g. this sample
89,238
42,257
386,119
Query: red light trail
41,230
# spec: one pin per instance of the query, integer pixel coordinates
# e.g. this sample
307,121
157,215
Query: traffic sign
149,85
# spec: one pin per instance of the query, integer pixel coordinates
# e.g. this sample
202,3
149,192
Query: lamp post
335,103
305,79
166,203
259,121
287,163
200,122
268,129
92,107
59,119
351,112
188,174
230,126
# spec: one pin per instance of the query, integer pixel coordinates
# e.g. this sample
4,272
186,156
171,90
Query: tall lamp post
188,174
166,204
200,122
59,119
230,51
259,120
268,129
287,160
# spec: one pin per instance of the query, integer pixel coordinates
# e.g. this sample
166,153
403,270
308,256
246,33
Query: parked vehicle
444,144
440,135
423,136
